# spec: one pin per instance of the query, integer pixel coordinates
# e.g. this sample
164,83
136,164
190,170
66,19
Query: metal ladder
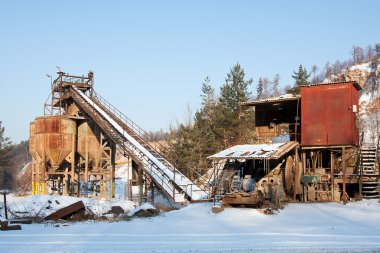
370,183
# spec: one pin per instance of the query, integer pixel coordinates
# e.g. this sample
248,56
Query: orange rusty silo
89,140
55,138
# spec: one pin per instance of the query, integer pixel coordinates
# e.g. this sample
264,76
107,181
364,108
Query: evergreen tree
300,78
204,127
5,160
208,92
234,91
192,143
217,124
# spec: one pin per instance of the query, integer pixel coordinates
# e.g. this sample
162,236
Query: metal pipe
296,164
72,189
344,174
332,165
5,205
86,166
43,172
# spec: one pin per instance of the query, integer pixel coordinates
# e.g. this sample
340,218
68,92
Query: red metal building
329,114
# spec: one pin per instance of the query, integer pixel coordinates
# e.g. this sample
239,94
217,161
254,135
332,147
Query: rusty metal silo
32,140
88,141
55,138
33,153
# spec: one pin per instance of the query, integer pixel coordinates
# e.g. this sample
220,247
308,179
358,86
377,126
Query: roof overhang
256,151
272,100
355,84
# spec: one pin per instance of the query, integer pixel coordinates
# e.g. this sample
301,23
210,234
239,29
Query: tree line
359,55
12,158
219,124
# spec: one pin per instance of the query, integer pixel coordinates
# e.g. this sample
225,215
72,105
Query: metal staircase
370,177
133,140
130,127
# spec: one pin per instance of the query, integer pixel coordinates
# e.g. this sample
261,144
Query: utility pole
5,203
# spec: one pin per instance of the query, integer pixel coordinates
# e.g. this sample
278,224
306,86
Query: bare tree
369,53
275,85
266,87
327,70
357,55
314,70
377,51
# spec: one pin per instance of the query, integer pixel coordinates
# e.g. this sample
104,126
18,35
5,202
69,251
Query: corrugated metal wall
327,115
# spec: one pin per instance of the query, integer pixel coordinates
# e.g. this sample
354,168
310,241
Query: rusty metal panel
54,137
88,141
339,115
313,109
66,211
32,140
327,115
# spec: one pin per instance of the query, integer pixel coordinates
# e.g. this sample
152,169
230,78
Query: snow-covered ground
43,205
321,227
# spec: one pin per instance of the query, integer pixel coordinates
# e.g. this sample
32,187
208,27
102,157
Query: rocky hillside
368,76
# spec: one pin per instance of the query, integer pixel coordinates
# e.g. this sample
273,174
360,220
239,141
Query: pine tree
217,124
204,126
180,148
300,78
190,144
234,91
5,160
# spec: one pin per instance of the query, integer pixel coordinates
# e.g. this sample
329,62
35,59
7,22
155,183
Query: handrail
131,124
136,129
377,153
161,177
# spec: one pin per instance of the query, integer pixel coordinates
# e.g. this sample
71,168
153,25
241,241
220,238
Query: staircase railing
161,178
377,155
145,136
130,123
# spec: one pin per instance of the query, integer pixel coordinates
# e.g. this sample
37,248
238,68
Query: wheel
289,175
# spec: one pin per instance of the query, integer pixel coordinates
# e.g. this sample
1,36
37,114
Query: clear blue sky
150,57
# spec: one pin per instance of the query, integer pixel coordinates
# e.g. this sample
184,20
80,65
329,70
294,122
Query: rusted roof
286,97
256,151
357,86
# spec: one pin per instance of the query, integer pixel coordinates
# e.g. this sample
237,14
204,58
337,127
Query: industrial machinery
74,146
307,149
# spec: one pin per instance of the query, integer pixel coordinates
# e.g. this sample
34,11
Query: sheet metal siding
54,138
327,118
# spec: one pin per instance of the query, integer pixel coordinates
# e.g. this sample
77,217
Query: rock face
358,73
